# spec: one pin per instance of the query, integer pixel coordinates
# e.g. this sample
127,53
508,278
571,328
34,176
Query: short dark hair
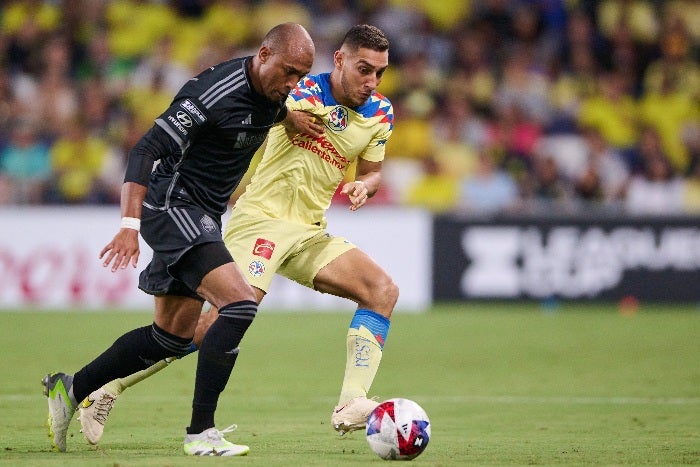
366,36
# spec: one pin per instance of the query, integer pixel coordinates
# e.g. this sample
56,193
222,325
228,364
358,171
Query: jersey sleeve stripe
180,142
214,98
236,75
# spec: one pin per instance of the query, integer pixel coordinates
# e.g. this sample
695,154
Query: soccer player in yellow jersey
278,224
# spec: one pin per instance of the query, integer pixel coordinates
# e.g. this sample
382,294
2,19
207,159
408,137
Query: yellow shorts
262,246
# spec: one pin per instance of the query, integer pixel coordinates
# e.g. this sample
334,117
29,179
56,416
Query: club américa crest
256,268
338,119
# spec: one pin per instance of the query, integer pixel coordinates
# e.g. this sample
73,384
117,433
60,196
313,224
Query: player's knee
245,293
392,292
220,294
205,321
166,344
384,294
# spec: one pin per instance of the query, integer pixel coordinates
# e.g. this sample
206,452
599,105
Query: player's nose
372,82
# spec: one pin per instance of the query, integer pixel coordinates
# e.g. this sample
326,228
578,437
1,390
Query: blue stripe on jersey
311,86
377,105
377,324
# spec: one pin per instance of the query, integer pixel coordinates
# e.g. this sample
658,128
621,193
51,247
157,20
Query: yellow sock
118,386
363,357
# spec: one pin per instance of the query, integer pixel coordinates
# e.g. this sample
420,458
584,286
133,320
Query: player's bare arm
367,181
124,247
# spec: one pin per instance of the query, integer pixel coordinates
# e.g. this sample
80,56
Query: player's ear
338,58
264,53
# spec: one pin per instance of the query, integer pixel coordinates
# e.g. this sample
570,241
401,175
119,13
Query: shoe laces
103,406
217,435
341,408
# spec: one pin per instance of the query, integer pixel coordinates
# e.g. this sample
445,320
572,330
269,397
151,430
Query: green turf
502,384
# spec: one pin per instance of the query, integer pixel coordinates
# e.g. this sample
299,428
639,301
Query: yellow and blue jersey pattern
297,177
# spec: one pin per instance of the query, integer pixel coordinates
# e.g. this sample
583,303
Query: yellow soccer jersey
296,179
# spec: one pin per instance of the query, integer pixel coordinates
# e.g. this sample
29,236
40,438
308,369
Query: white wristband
131,223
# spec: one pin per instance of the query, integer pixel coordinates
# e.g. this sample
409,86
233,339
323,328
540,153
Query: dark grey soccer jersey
218,121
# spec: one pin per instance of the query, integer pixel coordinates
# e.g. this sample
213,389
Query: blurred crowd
500,106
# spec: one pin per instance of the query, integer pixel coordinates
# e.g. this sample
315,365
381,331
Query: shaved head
290,37
285,56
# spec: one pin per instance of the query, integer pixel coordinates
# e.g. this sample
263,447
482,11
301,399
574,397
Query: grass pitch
502,385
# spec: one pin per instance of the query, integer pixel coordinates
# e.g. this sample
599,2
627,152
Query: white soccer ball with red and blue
398,429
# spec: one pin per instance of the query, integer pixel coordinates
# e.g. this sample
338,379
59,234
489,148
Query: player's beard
353,96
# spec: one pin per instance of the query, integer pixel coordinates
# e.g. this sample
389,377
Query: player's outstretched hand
122,250
298,121
357,193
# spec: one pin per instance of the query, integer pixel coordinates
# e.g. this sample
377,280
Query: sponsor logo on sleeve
193,110
184,118
176,123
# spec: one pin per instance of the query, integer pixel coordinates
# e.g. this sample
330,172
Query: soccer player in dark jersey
204,143
278,225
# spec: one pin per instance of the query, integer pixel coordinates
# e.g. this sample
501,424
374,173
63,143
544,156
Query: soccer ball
398,429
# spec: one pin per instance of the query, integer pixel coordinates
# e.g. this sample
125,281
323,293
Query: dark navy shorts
187,244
